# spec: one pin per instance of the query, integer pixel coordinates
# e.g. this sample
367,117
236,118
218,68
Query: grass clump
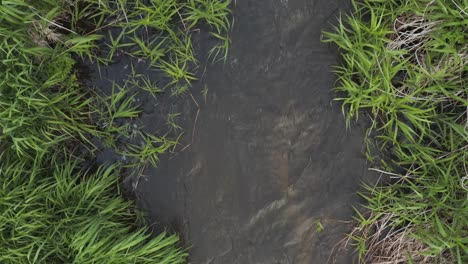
54,207
405,67
43,104
67,215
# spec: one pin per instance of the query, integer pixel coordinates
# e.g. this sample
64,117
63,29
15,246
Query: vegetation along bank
404,67
55,205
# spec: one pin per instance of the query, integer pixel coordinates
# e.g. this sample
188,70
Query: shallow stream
269,159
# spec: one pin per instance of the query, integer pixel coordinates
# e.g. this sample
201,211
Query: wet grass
53,208
405,67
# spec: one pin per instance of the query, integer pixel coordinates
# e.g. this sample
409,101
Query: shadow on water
270,156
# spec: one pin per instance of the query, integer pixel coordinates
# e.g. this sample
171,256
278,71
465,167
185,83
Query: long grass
53,208
42,103
67,215
405,67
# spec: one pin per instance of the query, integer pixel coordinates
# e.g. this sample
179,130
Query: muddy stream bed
270,157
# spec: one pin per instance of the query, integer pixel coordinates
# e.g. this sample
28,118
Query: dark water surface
270,154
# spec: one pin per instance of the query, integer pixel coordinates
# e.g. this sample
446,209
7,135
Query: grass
67,215
405,67
54,207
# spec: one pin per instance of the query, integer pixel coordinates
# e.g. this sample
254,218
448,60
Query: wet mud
265,159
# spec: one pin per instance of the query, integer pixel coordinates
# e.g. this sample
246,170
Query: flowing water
269,159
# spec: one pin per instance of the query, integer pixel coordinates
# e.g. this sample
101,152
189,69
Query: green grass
63,214
53,207
405,67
